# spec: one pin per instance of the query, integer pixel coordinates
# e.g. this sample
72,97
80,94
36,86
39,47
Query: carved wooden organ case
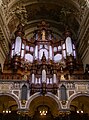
43,60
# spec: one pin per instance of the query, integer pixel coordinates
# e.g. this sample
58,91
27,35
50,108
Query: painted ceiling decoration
64,13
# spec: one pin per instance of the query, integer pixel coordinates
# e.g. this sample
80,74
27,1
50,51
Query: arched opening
43,107
8,108
79,108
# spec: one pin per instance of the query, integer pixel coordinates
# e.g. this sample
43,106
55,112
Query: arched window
24,93
63,93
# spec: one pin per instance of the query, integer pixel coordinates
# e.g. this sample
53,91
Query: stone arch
12,96
50,100
74,96
54,97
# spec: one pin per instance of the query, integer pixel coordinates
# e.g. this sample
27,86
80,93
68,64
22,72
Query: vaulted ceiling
60,14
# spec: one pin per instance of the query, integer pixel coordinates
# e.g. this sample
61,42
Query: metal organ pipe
69,47
54,78
18,45
43,76
33,78
36,52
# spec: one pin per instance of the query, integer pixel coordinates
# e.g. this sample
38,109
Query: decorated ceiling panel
60,13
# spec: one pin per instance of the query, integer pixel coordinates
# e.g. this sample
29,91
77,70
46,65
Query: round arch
55,98
74,96
12,96
50,100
